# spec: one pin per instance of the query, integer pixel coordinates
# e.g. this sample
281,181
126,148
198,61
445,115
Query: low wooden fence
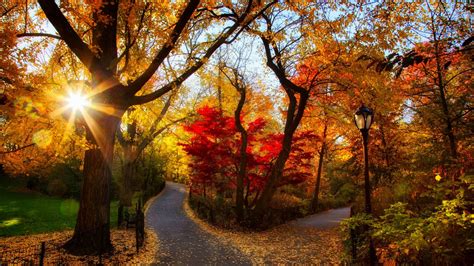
33,255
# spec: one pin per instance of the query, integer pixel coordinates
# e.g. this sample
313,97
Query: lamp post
363,119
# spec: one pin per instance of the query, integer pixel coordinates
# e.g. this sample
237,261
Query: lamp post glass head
363,118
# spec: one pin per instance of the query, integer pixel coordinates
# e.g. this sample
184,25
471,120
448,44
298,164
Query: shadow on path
182,242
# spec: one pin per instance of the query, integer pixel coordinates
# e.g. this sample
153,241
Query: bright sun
77,101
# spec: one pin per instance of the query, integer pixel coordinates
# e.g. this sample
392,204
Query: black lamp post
363,119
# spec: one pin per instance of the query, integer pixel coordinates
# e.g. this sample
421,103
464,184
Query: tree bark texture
92,231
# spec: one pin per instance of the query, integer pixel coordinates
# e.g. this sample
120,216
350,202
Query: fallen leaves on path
285,244
26,249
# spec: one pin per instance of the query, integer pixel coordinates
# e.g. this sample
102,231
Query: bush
57,187
443,235
216,210
33,182
70,175
355,235
346,193
149,177
330,202
220,211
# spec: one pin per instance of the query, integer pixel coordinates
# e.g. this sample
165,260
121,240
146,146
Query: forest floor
300,242
25,250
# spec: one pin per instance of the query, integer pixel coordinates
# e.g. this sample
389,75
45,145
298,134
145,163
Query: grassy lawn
23,212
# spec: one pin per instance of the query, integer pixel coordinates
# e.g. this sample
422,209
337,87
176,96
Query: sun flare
77,101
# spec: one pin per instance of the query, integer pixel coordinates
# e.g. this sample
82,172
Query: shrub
57,187
443,235
346,193
355,235
33,182
71,176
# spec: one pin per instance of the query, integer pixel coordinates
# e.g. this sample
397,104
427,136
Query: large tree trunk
92,231
314,201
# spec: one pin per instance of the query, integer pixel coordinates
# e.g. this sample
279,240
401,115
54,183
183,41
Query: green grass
31,213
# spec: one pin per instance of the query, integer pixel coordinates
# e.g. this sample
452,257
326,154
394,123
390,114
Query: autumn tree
284,48
91,34
434,76
217,136
440,71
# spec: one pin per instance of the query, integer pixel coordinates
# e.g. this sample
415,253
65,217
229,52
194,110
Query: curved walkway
324,220
182,242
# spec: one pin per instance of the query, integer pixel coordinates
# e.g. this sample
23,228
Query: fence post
42,253
137,225
101,245
353,240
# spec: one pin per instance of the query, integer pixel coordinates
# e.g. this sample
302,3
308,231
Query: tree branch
8,10
150,138
17,149
132,43
38,34
179,80
137,84
72,39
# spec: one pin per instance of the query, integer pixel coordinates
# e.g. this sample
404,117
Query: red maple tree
214,147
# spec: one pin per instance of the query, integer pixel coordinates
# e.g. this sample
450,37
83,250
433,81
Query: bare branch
38,34
72,39
220,40
8,10
17,149
137,84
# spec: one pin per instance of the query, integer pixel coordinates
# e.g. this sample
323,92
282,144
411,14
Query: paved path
182,242
324,220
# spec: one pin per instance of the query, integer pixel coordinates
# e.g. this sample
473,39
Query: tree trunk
314,201
126,190
239,198
444,105
92,231
275,175
294,114
442,95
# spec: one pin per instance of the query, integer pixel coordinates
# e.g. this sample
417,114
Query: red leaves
215,150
